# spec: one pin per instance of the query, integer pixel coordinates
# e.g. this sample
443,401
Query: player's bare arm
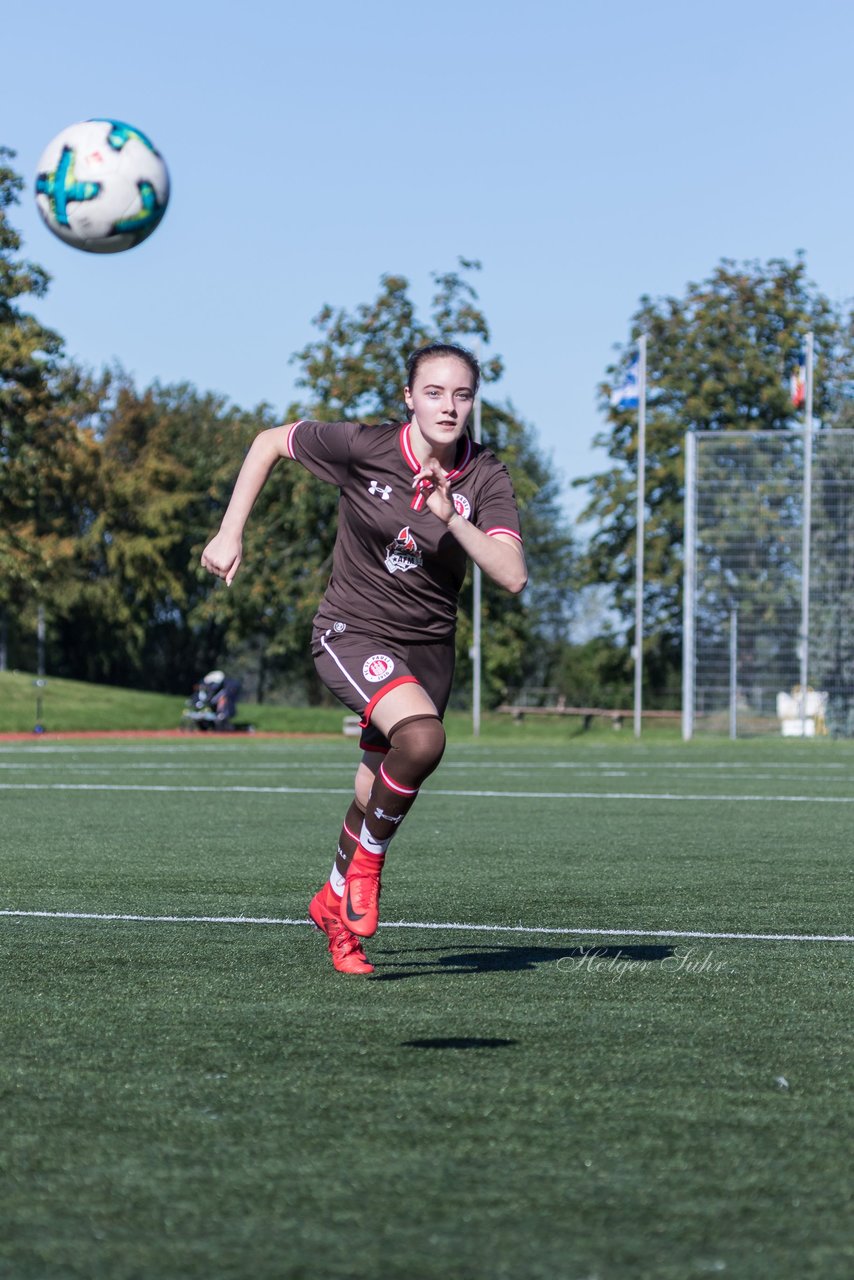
499,555
223,554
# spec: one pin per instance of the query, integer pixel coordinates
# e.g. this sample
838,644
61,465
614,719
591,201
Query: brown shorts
359,670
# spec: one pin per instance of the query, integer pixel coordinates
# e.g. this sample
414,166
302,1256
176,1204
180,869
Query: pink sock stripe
395,786
352,834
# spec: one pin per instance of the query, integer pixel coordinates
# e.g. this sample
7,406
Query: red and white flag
798,386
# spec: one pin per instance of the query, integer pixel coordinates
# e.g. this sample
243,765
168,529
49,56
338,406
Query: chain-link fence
746,609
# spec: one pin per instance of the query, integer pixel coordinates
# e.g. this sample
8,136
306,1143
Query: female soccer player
417,498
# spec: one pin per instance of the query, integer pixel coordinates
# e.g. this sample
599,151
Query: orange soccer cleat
344,947
360,905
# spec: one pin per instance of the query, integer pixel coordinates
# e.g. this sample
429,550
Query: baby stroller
213,704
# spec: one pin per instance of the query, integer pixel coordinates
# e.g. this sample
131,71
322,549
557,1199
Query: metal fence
754,627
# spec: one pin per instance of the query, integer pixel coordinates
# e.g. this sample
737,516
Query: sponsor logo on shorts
378,667
403,553
462,506
339,627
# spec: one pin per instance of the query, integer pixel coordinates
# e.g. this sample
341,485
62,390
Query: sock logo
381,813
378,667
373,846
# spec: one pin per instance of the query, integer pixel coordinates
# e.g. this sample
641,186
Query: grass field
74,705
608,1034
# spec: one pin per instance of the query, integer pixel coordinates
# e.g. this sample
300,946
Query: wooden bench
586,713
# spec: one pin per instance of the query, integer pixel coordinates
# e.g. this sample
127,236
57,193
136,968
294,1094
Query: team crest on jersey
462,506
403,553
378,667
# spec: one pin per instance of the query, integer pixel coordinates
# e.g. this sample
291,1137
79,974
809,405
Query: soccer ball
101,186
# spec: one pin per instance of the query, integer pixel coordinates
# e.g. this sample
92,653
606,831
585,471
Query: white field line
258,768
530,766
35,749
446,925
726,798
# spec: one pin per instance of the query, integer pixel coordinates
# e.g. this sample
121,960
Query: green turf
69,705
212,1100
74,705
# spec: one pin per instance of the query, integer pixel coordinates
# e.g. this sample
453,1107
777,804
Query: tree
47,461
719,359
166,461
183,444
108,495
354,370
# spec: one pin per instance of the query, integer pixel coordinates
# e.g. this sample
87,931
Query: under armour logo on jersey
384,490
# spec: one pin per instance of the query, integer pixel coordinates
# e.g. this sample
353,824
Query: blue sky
585,153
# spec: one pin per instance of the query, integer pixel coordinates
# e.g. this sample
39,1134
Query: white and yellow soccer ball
102,186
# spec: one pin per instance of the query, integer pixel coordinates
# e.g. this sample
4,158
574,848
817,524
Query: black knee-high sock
416,747
347,843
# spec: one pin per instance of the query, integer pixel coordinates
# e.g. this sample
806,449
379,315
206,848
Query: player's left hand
432,481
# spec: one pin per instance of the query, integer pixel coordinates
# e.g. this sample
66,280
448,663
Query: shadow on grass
458,1042
498,959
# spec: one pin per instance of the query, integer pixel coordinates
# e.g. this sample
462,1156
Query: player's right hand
222,556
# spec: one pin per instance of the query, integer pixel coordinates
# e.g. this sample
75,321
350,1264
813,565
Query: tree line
109,492
721,358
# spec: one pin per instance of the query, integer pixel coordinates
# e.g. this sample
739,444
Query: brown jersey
397,570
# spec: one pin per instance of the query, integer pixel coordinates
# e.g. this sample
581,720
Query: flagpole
807,532
689,644
641,511
477,596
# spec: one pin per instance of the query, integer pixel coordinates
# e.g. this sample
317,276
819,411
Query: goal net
768,647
